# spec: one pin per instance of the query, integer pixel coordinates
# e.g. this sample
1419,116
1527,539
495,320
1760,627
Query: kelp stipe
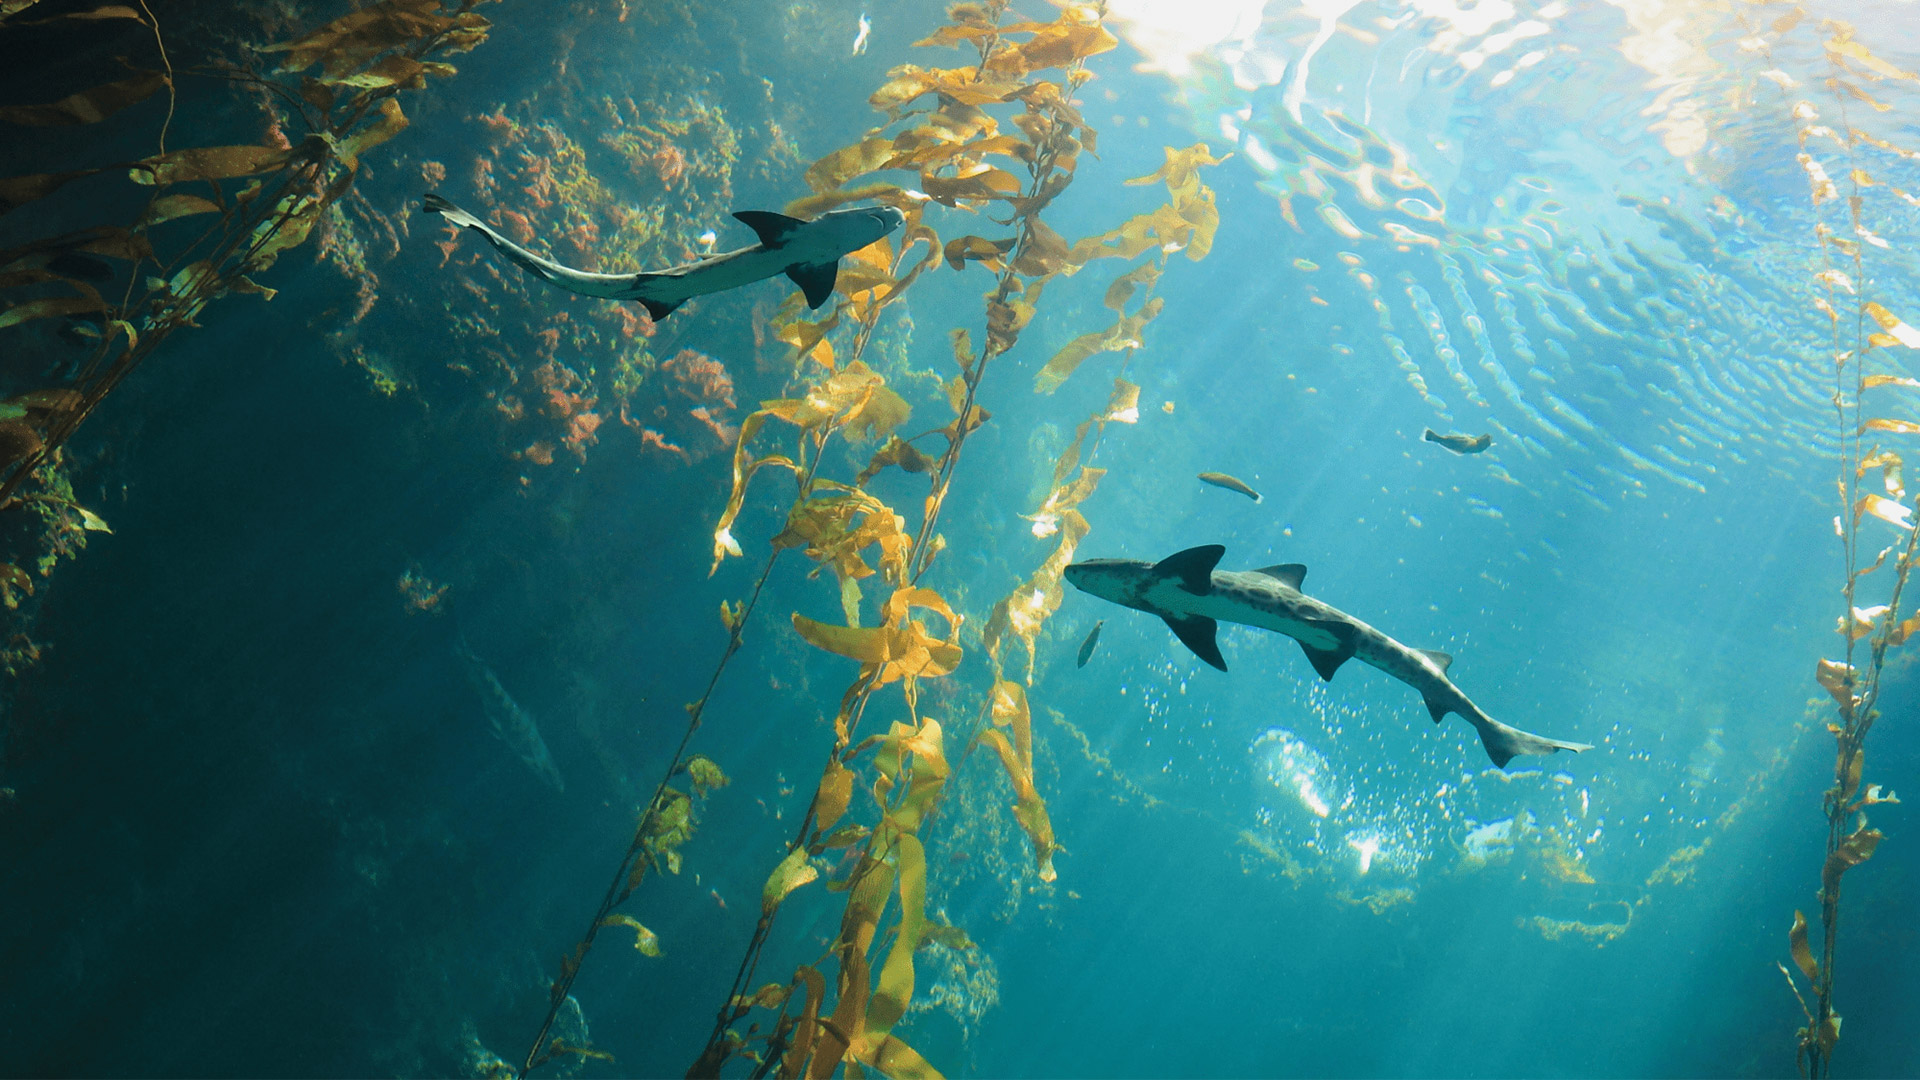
1859,325
910,760
173,272
947,144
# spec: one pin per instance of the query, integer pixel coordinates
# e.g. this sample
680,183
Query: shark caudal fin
605,286
1503,743
434,204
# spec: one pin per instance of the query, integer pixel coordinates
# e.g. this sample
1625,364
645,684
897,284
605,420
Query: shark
809,252
1193,597
511,723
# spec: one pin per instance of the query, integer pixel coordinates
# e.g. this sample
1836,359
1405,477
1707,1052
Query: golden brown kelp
967,133
214,215
818,1025
948,148
1864,335
1185,223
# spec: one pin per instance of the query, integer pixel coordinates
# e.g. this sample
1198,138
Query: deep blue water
262,827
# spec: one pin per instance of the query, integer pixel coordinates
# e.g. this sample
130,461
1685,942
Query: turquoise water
276,809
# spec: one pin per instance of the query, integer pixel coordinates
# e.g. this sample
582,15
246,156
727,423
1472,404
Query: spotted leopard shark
809,252
1188,592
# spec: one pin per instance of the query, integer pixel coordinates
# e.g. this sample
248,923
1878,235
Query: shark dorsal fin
772,228
1197,632
1290,574
1194,568
815,280
1440,660
1327,661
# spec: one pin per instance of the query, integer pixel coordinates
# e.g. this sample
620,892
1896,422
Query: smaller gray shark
513,724
809,252
1192,596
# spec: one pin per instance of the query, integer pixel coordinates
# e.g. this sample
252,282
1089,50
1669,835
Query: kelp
948,144
259,201
997,137
1868,404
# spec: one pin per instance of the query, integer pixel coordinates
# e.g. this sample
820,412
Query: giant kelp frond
1873,399
946,131
999,136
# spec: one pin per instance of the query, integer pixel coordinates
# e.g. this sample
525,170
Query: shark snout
1076,575
1101,577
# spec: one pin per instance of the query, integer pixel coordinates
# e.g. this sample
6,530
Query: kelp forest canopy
503,682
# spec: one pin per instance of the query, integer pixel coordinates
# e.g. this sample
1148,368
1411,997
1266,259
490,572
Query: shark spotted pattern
1192,596
809,252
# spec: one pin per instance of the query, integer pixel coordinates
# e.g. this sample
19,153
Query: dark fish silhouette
1231,483
1460,444
1086,647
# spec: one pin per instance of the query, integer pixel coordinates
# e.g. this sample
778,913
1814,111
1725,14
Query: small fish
717,898
1460,444
1086,647
79,333
860,39
1222,480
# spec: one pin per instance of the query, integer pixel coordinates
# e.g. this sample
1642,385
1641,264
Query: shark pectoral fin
815,280
771,228
1440,660
1197,632
1289,574
658,309
1194,568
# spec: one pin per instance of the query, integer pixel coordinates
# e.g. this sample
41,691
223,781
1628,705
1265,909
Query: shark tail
604,286
434,204
1503,743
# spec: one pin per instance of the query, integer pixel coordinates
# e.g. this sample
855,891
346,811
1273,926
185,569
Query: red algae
669,164
700,377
